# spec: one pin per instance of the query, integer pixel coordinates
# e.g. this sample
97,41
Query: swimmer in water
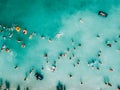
7,50
18,40
59,35
99,54
53,68
16,67
110,69
42,68
64,54
108,43
78,61
70,75
61,54
81,21
97,68
81,82
54,62
42,36
98,36
74,65
109,84
47,61
23,45
31,71
10,35
79,45
31,35
45,55
100,62
4,27
3,47
4,37
25,78
58,57
72,40
70,58
73,54
74,48
68,49
118,87
49,40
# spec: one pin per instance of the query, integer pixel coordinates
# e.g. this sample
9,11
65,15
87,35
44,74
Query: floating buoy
18,29
24,31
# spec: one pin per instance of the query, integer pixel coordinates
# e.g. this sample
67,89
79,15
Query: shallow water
48,18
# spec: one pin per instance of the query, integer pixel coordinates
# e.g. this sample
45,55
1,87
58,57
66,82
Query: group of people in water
92,63
13,33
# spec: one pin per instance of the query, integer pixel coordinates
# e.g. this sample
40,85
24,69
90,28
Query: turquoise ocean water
78,23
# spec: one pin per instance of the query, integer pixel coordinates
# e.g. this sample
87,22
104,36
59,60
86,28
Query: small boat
39,76
103,14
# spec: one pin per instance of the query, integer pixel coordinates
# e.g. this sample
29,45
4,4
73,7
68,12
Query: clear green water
48,18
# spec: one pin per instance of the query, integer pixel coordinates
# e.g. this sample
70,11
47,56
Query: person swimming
31,35
4,37
3,47
68,49
7,50
60,86
25,78
59,35
10,35
81,21
108,43
74,48
70,58
42,68
23,45
49,40
53,68
78,61
110,69
118,87
79,45
98,36
18,40
42,36
45,55
16,67
70,75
